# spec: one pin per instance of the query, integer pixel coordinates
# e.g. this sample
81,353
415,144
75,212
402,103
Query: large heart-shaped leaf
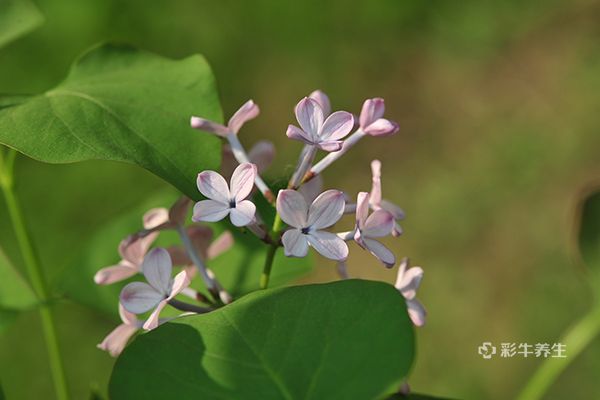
17,17
348,339
123,104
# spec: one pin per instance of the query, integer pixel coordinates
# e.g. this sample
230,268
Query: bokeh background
498,107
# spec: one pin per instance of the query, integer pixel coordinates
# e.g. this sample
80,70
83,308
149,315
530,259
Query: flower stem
36,278
187,307
275,231
304,163
575,340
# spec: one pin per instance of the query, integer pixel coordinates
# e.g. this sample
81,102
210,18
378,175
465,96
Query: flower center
305,231
231,203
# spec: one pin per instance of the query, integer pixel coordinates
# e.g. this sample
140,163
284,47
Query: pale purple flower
139,297
246,112
307,223
407,283
321,98
371,119
317,131
223,201
115,341
378,203
132,249
368,227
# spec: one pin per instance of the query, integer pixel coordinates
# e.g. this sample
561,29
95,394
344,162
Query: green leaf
15,292
122,104
7,317
348,339
415,396
589,231
17,18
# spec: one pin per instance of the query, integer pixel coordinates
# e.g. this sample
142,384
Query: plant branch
187,307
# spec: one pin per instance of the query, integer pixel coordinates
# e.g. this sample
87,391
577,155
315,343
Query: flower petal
200,236
115,273
262,154
331,145
321,98
157,268
375,197
416,312
134,247
293,132
178,212
220,245
242,181
246,112
381,252
328,245
337,125
127,317
210,211
310,116
295,243
115,341
311,189
410,282
326,210
139,297
209,126
243,213
292,208
155,217
382,127
362,209
180,282
152,321
213,186
379,224
372,110
390,207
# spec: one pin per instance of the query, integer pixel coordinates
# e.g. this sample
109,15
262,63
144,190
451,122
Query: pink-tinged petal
155,217
397,231
115,341
292,208
362,209
416,312
410,282
329,245
295,243
115,273
157,268
208,126
139,297
342,269
220,245
200,236
180,282
372,110
331,145
382,127
127,317
311,189
293,132
179,211
310,116
375,198
321,98
379,224
396,211
152,321
246,112
210,211
336,126
179,255
381,252
134,247
242,181
243,213
262,155
213,186
326,210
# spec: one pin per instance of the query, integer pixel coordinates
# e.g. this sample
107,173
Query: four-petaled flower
307,223
407,282
378,203
379,224
133,249
371,119
139,297
318,131
222,201
246,112
323,100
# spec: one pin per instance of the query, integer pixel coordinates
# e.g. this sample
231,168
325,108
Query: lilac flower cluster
305,217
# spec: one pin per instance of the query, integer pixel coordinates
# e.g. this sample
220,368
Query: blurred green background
498,107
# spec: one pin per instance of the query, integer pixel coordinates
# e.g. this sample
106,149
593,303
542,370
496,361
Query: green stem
575,340
37,281
266,274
